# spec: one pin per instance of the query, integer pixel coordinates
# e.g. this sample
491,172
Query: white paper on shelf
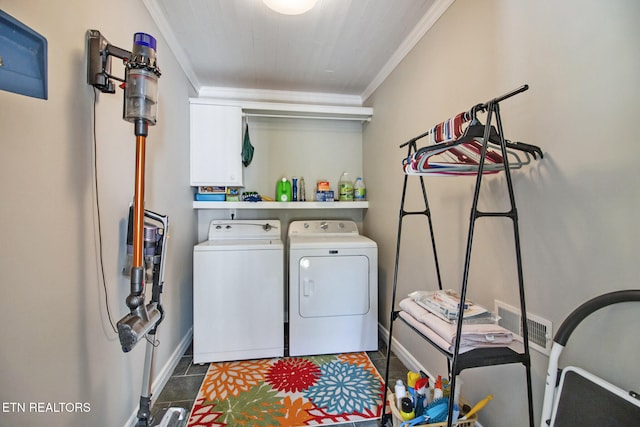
473,335
445,305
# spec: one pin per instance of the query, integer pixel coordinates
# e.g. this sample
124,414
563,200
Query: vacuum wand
140,106
142,318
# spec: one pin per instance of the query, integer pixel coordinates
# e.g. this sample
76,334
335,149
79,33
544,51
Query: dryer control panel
322,228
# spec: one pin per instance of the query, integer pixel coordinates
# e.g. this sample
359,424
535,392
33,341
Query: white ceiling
340,47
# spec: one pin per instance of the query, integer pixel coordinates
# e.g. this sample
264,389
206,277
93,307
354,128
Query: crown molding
428,20
169,36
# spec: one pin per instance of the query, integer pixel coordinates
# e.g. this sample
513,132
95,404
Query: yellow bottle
406,409
412,377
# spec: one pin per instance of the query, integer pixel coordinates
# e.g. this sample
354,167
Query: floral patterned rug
289,391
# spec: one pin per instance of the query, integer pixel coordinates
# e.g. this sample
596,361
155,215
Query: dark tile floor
182,388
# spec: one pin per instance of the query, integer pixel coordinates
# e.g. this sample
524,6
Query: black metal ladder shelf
450,136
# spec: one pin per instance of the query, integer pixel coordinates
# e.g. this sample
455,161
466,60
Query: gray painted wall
57,344
577,208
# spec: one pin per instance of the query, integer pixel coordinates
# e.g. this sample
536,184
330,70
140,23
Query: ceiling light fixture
291,7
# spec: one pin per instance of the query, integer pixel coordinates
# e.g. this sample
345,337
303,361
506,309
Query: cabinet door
216,145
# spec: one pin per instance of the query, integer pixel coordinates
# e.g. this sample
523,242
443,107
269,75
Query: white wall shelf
280,205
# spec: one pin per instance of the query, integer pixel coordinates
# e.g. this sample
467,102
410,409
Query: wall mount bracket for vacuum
99,53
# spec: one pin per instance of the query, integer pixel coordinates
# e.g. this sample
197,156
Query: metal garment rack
481,356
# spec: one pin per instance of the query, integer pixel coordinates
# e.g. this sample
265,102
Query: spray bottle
437,391
421,390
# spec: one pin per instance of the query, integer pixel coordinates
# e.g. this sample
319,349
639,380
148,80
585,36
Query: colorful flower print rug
290,391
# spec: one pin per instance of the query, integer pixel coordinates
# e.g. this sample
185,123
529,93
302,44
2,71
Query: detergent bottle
283,190
412,377
346,188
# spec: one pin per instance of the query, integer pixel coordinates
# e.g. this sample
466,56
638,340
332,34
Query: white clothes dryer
333,288
238,292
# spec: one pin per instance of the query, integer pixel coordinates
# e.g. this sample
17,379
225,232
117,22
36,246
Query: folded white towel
428,332
473,335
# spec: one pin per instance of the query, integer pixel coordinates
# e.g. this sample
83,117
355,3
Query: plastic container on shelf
400,392
359,190
283,190
302,191
294,185
406,409
345,188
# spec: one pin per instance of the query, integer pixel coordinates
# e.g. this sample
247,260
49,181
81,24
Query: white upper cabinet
216,145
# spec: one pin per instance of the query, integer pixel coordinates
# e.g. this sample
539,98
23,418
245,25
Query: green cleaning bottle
283,190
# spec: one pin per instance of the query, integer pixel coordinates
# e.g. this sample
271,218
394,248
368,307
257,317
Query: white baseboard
163,376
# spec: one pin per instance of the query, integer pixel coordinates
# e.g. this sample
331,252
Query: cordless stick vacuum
146,241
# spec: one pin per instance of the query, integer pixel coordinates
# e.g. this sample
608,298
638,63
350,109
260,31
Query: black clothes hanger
476,130
455,149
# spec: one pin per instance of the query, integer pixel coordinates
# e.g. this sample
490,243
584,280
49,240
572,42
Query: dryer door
333,286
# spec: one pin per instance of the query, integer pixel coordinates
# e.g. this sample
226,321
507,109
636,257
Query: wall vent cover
540,330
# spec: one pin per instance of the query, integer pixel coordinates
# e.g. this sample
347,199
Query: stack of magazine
445,304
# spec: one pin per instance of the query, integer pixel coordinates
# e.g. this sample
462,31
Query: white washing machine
333,288
238,292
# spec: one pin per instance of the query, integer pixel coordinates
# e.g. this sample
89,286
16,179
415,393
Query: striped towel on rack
447,159
451,129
